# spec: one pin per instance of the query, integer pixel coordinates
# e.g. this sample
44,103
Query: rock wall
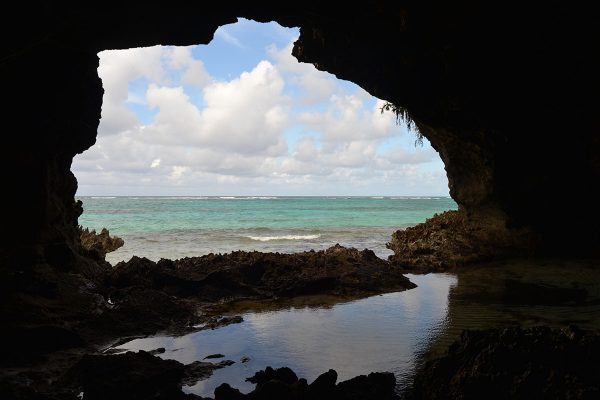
52,103
505,94
499,92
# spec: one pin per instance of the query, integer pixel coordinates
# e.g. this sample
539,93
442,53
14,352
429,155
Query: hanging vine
402,116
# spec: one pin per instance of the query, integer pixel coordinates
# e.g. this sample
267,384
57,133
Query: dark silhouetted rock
375,386
515,363
282,383
299,389
128,376
337,270
272,390
284,375
135,376
199,370
226,392
324,385
142,310
219,322
217,355
160,350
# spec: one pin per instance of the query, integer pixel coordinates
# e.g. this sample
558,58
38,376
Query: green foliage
402,116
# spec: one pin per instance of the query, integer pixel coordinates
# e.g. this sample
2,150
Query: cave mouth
455,67
185,131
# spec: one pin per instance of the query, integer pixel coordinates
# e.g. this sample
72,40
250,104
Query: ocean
176,227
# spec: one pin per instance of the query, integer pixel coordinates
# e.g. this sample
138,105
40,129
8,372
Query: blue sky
241,116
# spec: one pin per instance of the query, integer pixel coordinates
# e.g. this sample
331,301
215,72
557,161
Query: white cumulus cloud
280,127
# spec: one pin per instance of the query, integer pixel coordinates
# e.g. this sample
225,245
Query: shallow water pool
381,333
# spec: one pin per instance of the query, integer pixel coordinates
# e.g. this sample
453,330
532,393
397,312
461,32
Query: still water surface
397,331
380,333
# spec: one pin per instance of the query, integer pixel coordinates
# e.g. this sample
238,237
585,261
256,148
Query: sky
241,116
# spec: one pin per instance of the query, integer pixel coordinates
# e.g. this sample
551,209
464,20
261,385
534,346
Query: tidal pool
393,332
387,332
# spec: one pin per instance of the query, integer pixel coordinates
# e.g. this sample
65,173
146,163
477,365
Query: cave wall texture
506,93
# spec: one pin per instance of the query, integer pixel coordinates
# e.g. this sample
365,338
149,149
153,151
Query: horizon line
262,195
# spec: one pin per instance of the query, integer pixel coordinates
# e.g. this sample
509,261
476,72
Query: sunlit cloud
278,126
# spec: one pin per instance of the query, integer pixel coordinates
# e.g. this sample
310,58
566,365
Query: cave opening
186,131
502,95
206,150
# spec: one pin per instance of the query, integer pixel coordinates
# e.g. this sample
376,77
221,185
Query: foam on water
284,237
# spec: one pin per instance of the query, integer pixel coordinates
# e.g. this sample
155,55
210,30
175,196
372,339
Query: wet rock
450,239
162,275
160,350
135,376
375,386
199,370
226,392
141,310
244,359
98,244
515,363
237,275
272,390
285,375
219,322
299,389
119,351
217,355
127,376
324,385
146,297
282,383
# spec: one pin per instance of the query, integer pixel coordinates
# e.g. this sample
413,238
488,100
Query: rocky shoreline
144,376
497,364
514,363
452,239
54,318
257,275
59,324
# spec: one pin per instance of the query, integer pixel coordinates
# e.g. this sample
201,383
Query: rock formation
133,376
256,275
143,376
514,363
98,244
450,240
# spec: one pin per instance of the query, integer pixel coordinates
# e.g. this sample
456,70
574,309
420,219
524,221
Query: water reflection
524,293
392,332
381,333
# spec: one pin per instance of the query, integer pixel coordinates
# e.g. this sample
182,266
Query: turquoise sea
175,227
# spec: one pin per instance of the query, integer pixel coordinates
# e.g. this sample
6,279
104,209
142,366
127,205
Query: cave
505,93
503,107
